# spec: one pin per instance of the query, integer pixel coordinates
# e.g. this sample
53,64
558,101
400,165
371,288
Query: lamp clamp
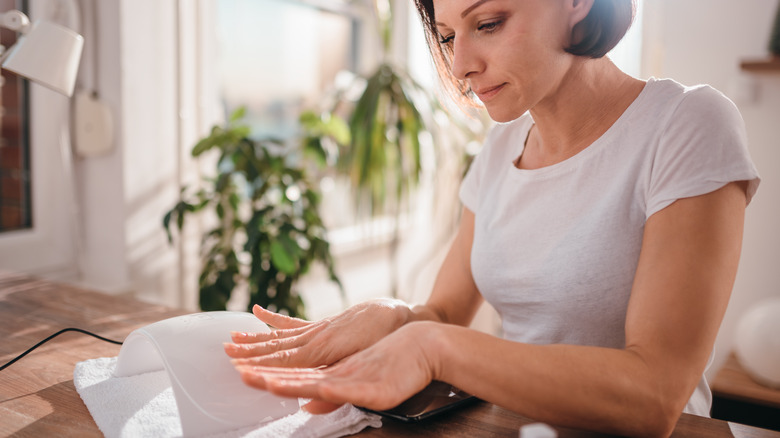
15,20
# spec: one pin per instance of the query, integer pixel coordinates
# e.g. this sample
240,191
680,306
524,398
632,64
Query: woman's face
511,52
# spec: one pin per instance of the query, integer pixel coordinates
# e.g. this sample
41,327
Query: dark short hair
604,26
598,33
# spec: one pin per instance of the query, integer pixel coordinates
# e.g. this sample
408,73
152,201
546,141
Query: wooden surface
733,383
762,65
37,396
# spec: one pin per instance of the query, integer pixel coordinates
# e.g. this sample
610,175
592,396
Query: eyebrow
472,7
467,10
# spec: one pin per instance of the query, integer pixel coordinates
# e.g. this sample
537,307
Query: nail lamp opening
210,395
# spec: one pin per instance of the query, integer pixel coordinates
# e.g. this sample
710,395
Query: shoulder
700,144
680,116
700,104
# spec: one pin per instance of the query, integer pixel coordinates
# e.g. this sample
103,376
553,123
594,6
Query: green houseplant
268,230
383,155
393,124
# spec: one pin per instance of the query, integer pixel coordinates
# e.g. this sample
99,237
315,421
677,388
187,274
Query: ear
578,10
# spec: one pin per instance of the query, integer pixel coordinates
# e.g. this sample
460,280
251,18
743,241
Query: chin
503,115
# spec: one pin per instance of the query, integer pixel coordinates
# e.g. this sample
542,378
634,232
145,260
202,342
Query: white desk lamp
46,53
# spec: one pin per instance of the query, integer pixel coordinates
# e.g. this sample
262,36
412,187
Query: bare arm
686,271
683,282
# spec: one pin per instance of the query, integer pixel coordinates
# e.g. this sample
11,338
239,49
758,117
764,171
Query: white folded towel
144,406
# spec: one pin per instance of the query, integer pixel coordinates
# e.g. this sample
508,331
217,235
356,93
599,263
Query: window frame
47,247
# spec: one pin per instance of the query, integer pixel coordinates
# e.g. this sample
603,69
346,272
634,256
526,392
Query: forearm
592,388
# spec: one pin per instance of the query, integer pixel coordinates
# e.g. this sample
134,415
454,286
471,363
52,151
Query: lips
488,93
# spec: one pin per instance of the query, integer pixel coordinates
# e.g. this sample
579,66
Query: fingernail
239,335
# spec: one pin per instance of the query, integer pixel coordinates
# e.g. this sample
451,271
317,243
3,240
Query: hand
379,377
299,343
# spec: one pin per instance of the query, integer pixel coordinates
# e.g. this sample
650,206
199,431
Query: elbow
658,417
658,398
659,425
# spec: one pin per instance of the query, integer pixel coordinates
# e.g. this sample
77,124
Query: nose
465,59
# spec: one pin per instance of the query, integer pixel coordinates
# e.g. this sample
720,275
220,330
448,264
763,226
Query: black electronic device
434,399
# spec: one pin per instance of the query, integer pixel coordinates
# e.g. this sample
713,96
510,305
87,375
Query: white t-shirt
555,249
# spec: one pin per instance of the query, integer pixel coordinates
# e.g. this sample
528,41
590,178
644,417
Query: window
36,188
277,57
15,200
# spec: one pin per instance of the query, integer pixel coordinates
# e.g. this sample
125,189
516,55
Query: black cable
70,329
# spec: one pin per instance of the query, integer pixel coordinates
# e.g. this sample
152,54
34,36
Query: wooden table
737,397
733,382
37,396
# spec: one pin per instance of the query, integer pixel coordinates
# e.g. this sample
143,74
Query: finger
321,384
277,320
259,376
283,373
300,341
318,407
254,380
292,358
248,337
293,387
305,385
281,322
242,350
328,391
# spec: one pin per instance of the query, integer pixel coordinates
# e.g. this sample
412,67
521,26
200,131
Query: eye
490,26
446,40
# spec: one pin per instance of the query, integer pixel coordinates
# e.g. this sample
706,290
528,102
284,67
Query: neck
588,100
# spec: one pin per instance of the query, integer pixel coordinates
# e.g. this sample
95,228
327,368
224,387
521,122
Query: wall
142,76
99,179
703,42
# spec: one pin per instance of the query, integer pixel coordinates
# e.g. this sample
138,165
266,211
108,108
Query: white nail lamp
46,53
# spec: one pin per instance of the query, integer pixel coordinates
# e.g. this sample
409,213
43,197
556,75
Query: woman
602,219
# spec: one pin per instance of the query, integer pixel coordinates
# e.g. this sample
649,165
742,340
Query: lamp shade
48,54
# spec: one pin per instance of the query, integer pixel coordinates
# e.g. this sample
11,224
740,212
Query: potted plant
268,230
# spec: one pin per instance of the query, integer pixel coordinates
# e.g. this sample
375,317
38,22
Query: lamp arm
15,20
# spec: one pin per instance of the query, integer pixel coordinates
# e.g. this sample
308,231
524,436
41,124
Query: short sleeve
703,147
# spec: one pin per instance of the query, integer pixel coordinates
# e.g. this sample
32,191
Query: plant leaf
285,253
